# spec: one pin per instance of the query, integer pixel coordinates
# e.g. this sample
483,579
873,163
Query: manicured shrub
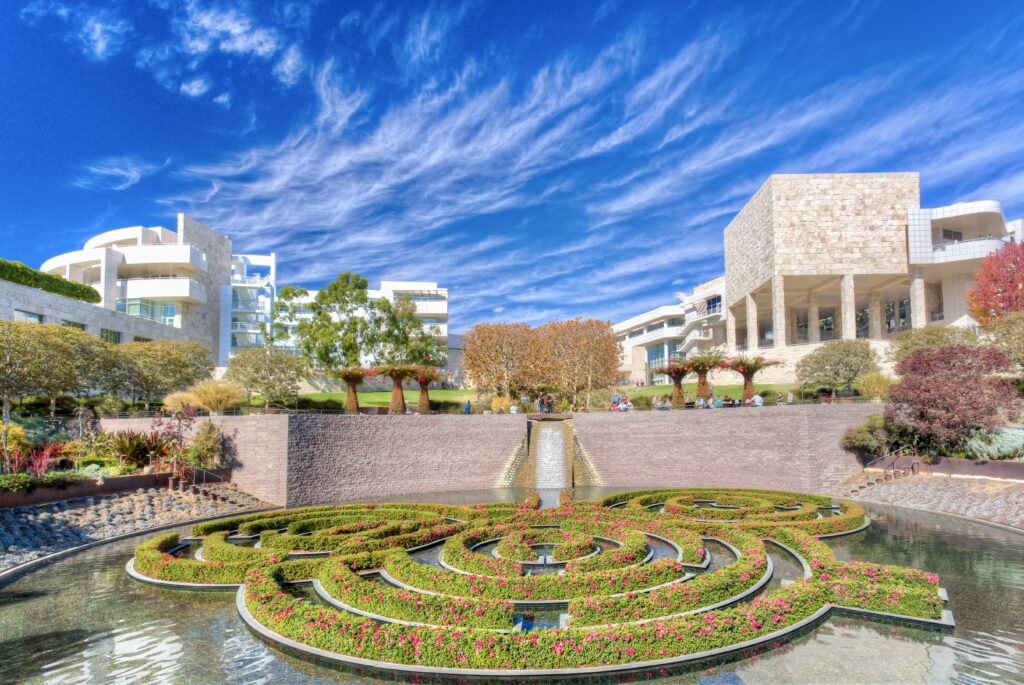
1001,443
16,272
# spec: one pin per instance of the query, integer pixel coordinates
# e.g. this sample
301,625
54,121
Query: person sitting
757,400
699,403
514,409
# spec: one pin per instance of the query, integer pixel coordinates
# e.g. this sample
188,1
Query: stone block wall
748,246
788,448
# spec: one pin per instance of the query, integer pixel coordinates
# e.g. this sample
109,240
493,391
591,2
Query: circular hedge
437,587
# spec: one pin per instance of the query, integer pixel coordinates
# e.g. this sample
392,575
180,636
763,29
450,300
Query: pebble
27,533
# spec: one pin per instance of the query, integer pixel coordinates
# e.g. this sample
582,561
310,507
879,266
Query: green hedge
16,272
18,482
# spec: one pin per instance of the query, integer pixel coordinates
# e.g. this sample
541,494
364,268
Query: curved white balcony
181,289
965,250
185,256
666,333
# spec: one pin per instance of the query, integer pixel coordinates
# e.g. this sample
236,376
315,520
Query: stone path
990,500
27,533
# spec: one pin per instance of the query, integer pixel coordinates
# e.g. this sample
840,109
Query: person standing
466,408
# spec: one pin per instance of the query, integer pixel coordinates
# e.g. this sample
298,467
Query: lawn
721,391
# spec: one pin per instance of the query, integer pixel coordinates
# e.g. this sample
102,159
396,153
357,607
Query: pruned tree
702,363
269,372
677,370
502,357
284,315
999,284
947,395
398,373
425,375
1008,334
837,364
22,365
905,343
748,368
60,357
159,367
578,356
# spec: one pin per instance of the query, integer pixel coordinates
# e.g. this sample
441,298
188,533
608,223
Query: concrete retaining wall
787,448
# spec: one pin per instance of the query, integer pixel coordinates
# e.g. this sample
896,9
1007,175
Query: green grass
383,398
721,391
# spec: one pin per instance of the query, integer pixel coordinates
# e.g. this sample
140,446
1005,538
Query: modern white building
817,257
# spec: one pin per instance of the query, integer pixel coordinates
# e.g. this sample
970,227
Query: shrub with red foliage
949,393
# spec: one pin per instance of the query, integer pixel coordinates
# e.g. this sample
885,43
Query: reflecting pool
82,620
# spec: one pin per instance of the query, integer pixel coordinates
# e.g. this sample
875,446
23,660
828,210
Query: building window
113,337
420,297
168,311
429,321
637,333
676,322
144,309
139,338
714,304
952,236
19,315
73,324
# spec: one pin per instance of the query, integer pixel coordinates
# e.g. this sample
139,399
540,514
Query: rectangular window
73,324
144,309
19,315
113,337
167,313
714,304
637,333
953,236
139,338
429,321
676,322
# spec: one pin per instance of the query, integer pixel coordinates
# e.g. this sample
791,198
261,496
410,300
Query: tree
159,367
503,357
60,360
999,284
398,373
748,367
22,365
677,370
284,315
905,343
702,364
946,395
339,333
269,372
578,356
1008,334
401,335
425,375
837,364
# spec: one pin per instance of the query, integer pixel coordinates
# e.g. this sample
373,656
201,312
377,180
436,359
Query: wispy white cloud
606,9
115,173
195,87
98,32
224,99
290,67
230,30
427,32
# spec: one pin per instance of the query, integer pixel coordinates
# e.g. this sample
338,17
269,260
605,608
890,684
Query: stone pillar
751,323
813,319
848,308
918,305
730,330
875,315
793,332
778,311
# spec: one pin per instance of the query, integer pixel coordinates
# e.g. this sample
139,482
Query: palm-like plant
747,367
677,370
702,364
353,376
398,373
425,375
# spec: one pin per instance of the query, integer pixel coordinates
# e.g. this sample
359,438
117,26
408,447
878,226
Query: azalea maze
623,583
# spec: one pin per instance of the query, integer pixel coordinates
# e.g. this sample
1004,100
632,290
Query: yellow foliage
179,400
875,385
216,396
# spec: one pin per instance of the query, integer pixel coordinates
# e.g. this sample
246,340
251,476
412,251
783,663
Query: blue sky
542,160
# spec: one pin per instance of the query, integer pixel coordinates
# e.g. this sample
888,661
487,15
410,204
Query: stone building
817,257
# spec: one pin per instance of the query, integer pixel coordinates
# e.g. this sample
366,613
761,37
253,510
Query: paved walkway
990,500
28,533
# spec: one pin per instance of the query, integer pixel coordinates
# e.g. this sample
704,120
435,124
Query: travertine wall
790,448
202,321
57,309
748,246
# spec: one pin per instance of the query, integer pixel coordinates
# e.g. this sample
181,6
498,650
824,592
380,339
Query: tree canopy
269,372
999,284
837,364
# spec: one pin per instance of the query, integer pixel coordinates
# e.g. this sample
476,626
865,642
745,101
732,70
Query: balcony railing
249,280
937,316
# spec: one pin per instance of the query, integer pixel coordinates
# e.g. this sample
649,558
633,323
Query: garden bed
89,488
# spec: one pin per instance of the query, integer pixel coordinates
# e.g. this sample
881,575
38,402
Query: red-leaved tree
999,284
949,393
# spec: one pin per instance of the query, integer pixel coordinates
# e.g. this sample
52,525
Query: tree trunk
53,407
678,401
397,397
424,405
748,387
3,434
703,391
145,405
351,398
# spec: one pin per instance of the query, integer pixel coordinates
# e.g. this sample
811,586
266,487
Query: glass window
677,322
144,309
429,321
19,315
167,313
139,338
637,333
110,336
955,236
714,304
73,324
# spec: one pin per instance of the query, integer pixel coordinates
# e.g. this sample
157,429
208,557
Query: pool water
82,620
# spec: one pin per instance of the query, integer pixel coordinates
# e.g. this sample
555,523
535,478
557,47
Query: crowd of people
620,402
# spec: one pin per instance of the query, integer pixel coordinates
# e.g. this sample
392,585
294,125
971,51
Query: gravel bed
27,533
979,498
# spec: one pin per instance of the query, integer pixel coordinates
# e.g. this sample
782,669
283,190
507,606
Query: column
730,331
875,315
918,305
751,323
848,307
813,319
778,311
793,332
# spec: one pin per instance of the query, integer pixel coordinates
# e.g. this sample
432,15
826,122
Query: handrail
205,472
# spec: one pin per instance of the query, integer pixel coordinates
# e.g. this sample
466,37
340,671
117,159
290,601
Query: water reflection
82,620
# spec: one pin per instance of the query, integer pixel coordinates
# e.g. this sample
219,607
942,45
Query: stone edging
10,575
1003,526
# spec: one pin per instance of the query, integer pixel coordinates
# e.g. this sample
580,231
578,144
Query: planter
89,488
